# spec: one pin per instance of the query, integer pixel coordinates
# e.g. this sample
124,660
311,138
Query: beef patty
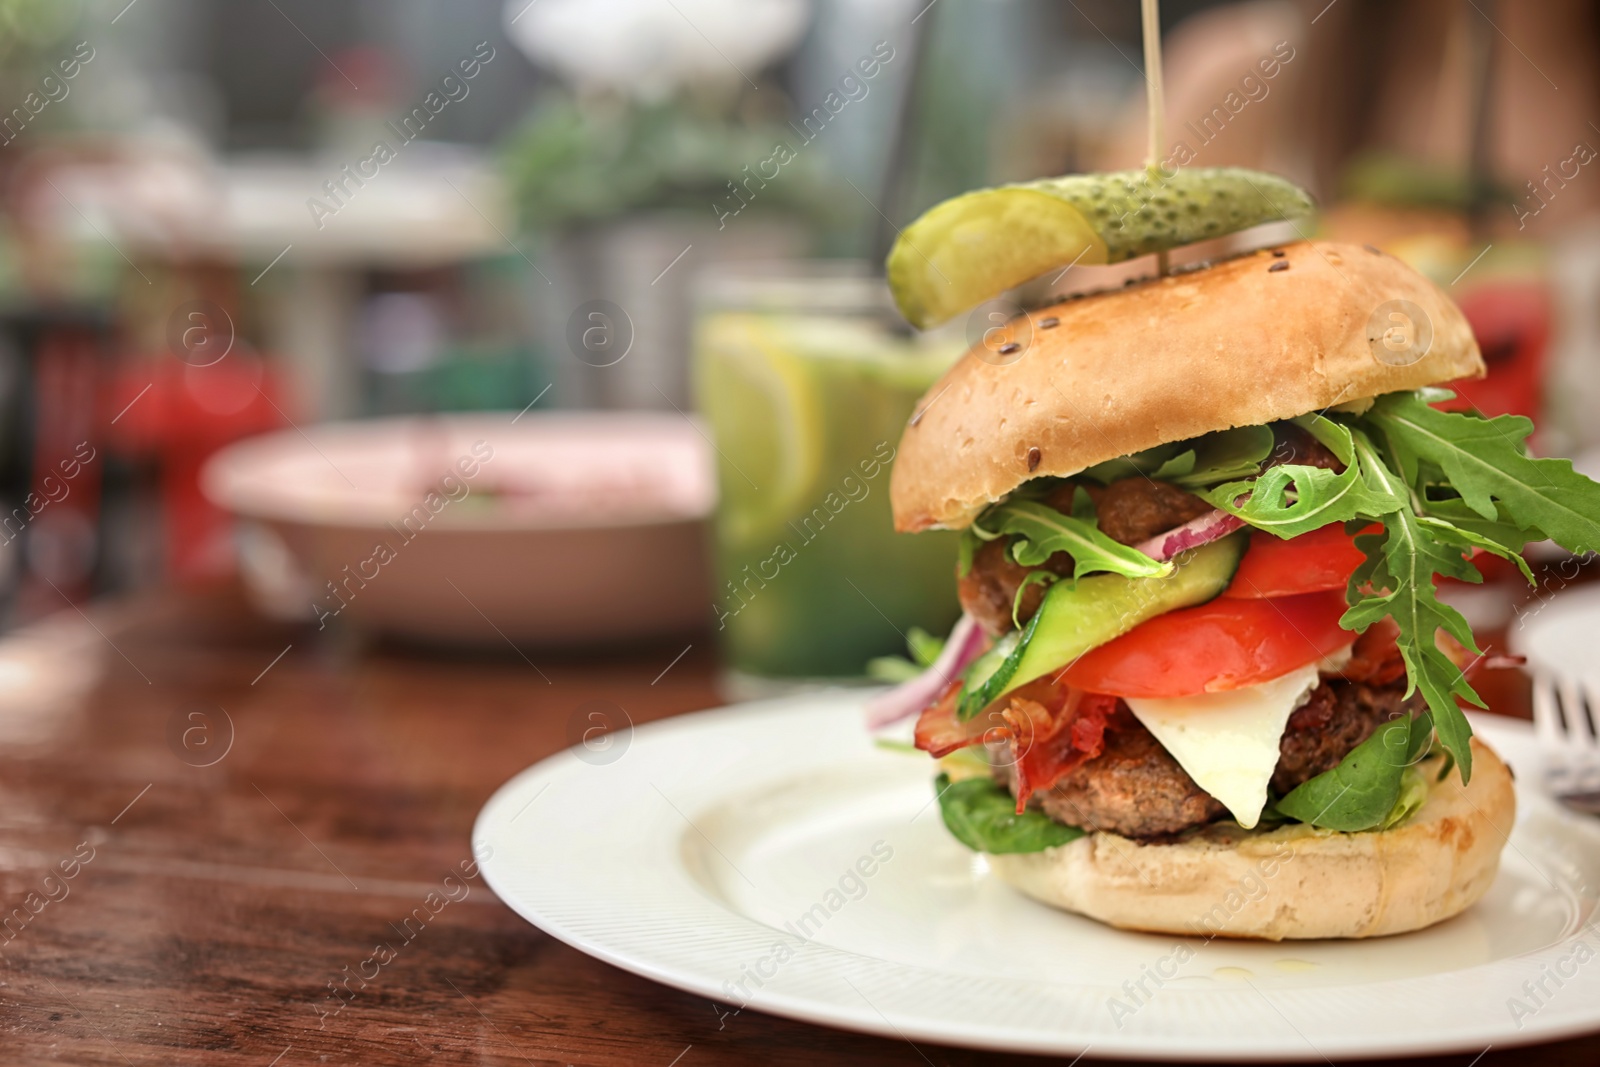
1135,788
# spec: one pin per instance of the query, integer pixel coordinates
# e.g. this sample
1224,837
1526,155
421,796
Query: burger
1203,682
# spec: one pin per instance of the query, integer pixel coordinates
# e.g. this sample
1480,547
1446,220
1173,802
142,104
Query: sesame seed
1034,455
1010,347
1050,323
1282,264
1278,253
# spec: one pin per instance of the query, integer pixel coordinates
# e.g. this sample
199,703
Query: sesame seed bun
1266,336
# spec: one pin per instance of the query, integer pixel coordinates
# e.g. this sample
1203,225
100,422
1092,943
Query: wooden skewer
1150,12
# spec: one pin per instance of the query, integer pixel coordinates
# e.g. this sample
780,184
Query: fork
1566,719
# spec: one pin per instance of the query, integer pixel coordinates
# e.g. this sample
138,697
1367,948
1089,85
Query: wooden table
220,901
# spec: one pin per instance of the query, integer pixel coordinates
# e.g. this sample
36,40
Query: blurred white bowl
562,528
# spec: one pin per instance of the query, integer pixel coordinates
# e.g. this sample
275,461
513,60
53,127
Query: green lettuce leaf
1362,791
1413,794
982,816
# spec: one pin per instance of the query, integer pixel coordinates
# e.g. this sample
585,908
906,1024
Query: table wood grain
210,909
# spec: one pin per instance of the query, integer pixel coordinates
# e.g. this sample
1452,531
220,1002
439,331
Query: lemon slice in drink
976,246
763,401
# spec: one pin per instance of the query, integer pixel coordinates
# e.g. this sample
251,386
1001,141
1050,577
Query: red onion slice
965,643
1211,526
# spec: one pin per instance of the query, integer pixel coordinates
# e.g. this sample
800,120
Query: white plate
680,853
1559,631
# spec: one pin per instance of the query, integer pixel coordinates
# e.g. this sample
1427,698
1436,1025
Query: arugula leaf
1146,463
982,816
1450,533
1362,791
1502,530
1040,577
1396,580
1223,456
1291,498
1042,531
1334,436
1487,462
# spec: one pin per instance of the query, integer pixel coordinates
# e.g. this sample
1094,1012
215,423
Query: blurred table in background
222,900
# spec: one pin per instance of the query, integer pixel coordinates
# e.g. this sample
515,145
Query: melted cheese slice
1228,742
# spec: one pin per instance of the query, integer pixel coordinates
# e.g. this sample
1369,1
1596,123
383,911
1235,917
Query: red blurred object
64,484
180,414
1511,320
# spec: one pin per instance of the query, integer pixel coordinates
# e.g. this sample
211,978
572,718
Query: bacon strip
1047,745
1048,730
940,733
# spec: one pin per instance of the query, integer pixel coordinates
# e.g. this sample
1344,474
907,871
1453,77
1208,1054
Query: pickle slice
975,246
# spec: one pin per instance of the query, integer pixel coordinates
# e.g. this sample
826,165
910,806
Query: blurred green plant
26,25
577,161
1400,181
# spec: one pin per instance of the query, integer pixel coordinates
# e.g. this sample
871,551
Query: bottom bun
1292,882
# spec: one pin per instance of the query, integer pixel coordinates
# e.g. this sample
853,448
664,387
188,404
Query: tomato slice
1315,561
1219,645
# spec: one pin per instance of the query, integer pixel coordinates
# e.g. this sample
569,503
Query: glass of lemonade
807,387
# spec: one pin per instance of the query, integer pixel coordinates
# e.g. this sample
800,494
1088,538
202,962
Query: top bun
1235,344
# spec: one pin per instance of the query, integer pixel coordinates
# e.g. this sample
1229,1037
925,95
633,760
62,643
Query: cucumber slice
975,246
1078,616
984,666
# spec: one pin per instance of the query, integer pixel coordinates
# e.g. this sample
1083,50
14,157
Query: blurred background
561,323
